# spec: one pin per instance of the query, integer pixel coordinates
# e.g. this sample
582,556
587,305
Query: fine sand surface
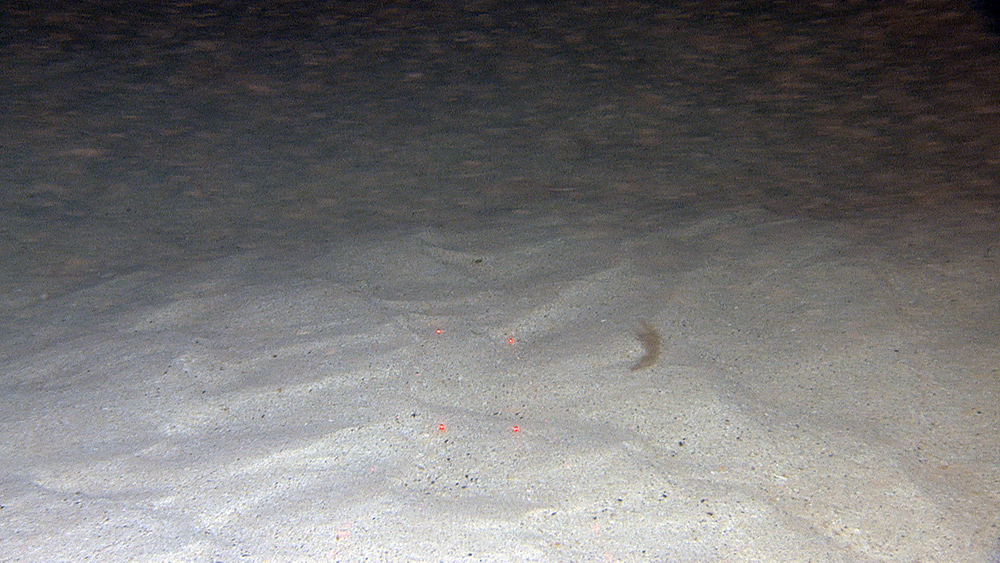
361,281
826,392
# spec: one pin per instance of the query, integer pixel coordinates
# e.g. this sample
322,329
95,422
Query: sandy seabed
346,282
825,393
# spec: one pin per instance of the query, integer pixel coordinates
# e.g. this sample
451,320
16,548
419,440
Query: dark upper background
144,134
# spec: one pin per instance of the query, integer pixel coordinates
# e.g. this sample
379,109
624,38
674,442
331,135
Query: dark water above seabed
147,134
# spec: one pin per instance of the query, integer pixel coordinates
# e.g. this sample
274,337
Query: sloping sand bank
825,392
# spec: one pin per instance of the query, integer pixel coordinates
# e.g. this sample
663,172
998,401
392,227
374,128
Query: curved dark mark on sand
652,343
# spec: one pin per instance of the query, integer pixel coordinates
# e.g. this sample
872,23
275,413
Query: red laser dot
442,427
439,331
516,429
510,341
